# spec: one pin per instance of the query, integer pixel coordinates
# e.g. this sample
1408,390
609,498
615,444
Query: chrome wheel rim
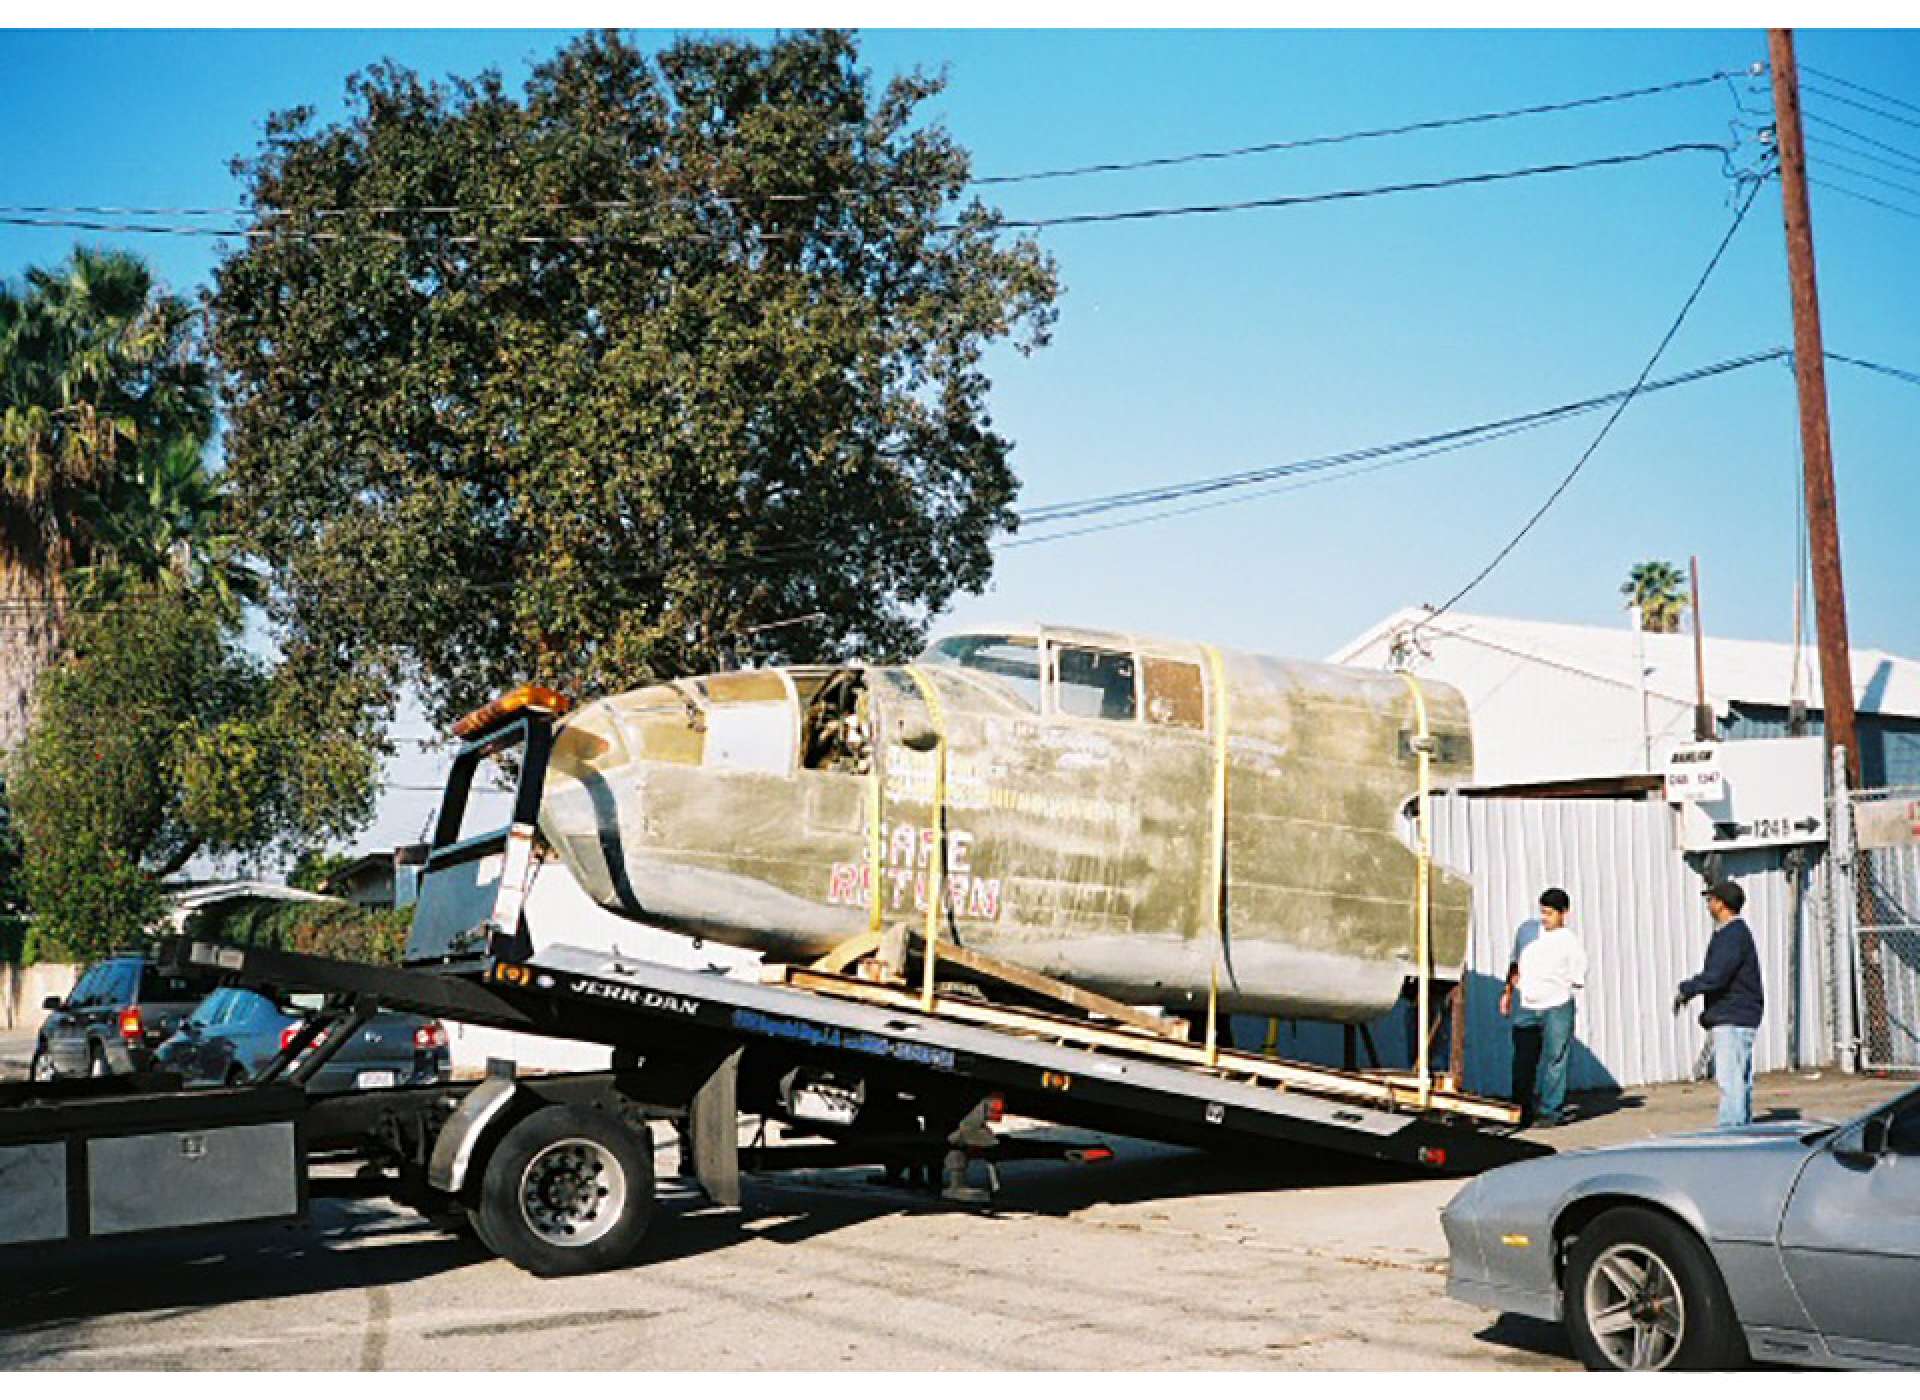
572,1192
40,1071
1635,1310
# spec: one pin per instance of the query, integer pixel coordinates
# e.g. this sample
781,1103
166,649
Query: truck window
1092,684
1013,660
1175,696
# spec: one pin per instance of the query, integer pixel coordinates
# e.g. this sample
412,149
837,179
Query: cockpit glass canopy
1014,661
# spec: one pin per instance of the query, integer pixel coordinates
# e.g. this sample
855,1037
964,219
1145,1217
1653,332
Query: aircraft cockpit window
1014,660
834,732
1090,684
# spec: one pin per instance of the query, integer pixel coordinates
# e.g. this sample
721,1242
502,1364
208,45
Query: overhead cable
1693,296
852,192
1859,87
395,236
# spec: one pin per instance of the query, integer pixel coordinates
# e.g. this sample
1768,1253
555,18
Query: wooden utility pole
1816,442
1702,712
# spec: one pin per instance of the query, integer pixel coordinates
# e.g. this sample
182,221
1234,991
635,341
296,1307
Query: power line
1904,154
1826,96
1859,87
1093,505
849,192
1865,198
1828,143
1362,461
1673,330
997,222
1907,375
1859,174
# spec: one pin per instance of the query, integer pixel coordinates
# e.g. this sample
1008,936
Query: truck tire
568,1190
1643,1293
40,1068
97,1067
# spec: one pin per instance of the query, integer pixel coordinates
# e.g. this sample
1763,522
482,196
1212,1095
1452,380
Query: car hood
1751,1135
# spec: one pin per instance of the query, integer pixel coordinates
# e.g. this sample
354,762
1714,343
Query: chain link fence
1886,925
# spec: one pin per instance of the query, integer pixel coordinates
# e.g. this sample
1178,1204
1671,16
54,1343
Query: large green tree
593,382
159,738
100,370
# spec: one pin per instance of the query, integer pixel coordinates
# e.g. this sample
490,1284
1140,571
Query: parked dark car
235,1033
114,1019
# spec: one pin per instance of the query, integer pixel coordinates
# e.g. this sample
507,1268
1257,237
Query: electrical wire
848,192
1826,96
1858,87
1828,143
996,222
1094,505
1907,375
1699,286
1361,461
1903,153
1858,174
1864,198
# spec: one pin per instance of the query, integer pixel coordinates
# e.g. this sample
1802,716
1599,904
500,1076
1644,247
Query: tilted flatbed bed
556,1172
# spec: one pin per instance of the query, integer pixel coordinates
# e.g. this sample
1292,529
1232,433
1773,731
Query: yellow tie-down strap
937,860
1422,892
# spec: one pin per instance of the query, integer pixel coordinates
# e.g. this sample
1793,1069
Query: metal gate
1884,892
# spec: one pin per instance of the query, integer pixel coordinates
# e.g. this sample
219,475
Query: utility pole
1816,442
1702,712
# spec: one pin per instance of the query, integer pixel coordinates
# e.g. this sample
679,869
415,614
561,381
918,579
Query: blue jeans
1733,1070
1544,1038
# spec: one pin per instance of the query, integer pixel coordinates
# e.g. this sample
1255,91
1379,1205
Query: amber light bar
526,697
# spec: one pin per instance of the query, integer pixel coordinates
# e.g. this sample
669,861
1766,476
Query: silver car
1789,1242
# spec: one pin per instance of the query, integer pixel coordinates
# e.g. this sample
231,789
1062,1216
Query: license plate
373,1079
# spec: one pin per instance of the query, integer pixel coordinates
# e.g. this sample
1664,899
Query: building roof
1738,672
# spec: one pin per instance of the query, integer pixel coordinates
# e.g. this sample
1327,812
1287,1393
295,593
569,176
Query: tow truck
556,1173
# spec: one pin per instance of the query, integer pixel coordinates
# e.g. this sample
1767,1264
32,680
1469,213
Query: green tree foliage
158,739
100,371
325,930
1659,589
312,869
592,381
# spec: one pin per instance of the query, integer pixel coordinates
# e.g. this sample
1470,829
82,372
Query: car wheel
1643,1294
569,1190
40,1068
97,1061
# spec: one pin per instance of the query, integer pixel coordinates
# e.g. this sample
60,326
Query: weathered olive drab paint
1076,846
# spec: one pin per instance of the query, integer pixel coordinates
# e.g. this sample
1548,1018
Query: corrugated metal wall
1637,907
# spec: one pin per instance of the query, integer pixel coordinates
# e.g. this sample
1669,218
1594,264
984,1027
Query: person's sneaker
1560,1119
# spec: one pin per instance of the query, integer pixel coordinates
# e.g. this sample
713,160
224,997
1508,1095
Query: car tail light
130,1026
996,1109
432,1036
287,1035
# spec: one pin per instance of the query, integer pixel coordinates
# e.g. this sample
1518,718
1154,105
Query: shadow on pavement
1527,1334
43,1297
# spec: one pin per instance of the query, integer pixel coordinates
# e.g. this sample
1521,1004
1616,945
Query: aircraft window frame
1056,683
960,650
1164,706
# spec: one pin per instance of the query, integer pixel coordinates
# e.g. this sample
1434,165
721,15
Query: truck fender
459,1137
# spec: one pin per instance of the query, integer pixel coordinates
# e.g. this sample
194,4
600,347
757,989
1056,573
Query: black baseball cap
1728,893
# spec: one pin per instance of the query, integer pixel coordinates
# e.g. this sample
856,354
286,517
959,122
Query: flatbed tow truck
556,1172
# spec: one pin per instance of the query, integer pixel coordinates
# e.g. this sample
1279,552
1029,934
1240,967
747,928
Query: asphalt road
1159,1260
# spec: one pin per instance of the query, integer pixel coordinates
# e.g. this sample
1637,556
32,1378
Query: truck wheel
569,1190
1643,1294
96,1061
40,1068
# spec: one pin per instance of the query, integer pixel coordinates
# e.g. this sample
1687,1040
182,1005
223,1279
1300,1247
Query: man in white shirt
1548,966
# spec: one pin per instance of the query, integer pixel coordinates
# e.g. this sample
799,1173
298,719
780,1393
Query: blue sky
1198,346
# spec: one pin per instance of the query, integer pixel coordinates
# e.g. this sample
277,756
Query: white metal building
1554,701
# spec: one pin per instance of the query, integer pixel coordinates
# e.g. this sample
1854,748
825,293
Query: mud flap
713,1128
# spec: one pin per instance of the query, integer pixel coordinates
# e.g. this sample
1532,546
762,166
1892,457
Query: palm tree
1659,590
98,367
166,526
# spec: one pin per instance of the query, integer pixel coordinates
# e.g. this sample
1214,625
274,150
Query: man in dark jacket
1730,982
